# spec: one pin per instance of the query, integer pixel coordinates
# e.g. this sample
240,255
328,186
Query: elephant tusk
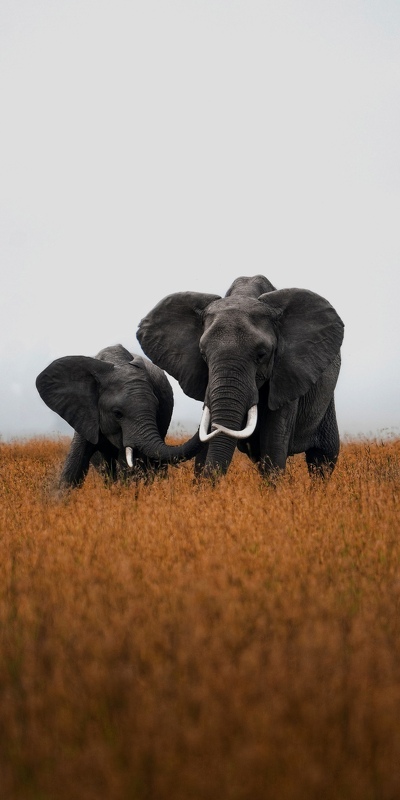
204,436
128,456
246,432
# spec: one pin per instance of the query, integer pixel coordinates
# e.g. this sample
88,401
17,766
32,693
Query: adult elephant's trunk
147,439
230,413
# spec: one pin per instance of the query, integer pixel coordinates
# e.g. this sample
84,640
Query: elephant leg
150,469
199,462
110,467
76,464
104,460
318,463
143,468
275,432
251,447
321,458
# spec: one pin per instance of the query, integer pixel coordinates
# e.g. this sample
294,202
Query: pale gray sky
153,146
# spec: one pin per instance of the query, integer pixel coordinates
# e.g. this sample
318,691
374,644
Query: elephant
264,361
120,405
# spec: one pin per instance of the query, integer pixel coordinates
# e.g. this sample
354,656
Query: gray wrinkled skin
278,349
114,401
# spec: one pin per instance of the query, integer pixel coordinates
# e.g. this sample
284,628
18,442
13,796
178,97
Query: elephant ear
170,336
70,386
310,334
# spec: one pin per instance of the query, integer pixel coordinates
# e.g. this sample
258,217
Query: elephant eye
117,413
261,355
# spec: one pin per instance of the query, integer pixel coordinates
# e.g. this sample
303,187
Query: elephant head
226,351
126,402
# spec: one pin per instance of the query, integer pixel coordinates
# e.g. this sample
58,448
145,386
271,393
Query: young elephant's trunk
150,443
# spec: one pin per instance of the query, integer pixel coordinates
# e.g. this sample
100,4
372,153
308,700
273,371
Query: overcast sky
153,146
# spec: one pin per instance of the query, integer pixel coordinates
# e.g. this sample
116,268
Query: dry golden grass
183,642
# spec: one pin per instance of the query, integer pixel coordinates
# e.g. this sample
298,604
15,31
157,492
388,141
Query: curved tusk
128,456
204,436
247,431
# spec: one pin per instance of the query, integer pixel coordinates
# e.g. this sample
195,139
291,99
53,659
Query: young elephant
264,361
120,406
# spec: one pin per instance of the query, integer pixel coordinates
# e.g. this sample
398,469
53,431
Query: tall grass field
182,641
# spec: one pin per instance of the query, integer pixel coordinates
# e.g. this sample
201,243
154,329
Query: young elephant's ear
70,386
170,336
310,334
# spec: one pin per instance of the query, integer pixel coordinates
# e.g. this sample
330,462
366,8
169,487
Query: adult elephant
264,361
120,406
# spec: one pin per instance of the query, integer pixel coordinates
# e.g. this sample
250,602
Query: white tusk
128,456
246,432
204,436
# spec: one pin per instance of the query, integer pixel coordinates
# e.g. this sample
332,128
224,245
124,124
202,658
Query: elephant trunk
147,439
230,414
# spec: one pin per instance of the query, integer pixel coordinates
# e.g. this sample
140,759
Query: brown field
183,642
